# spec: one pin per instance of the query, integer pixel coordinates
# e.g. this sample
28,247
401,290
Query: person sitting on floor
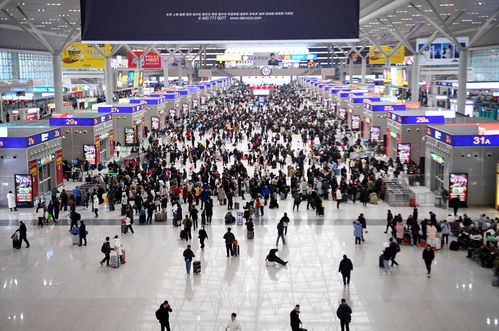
272,257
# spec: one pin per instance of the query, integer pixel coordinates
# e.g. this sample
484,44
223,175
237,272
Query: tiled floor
56,286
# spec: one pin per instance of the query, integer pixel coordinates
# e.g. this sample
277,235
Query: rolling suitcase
236,205
142,217
160,217
76,239
239,218
16,243
183,234
114,261
454,246
251,234
235,249
123,210
381,261
123,228
123,256
196,267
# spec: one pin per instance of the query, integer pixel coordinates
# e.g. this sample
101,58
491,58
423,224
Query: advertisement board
150,61
355,122
375,133
155,123
343,113
377,57
219,21
440,51
84,56
185,107
24,190
404,152
129,136
203,100
90,154
195,103
458,187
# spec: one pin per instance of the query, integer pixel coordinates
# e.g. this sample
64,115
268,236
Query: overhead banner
377,57
150,61
200,21
440,51
84,56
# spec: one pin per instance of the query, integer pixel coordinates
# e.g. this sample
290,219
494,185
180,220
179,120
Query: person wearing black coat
202,235
294,317
272,257
106,250
280,233
389,218
229,240
428,256
83,233
344,313
23,233
163,315
345,268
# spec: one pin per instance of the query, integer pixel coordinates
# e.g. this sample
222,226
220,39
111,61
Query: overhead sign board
463,140
377,57
200,21
83,56
440,51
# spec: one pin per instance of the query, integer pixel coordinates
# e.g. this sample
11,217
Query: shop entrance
439,177
45,175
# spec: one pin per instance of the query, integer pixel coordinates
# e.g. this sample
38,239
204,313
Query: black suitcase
454,246
16,243
183,234
251,234
123,210
196,267
123,228
142,219
381,261
235,250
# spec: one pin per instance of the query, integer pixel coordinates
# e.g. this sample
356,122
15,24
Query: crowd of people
240,148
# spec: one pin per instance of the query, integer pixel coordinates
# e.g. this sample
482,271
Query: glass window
37,67
484,65
6,71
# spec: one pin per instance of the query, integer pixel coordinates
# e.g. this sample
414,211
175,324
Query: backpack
158,314
75,230
77,216
103,248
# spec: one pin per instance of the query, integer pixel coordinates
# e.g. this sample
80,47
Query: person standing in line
389,218
357,232
188,256
11,200
202,235
280,234
23,233
163,315
83,233
344,313
428,256
95,205
106,250
229,240
345,268
233,325
295,321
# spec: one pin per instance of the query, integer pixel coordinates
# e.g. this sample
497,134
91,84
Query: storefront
30,163
185,99
86,136
405,132
355,110
86,103
24,114
128,123
155,108
67,107
461,158
374,119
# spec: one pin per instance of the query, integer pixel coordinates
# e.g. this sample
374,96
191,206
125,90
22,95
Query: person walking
387,256
389,218
188,256
202,235
106,250
95,205
129,221
229,240
187,223
344,313
296,201
83,233
194,212
233,325
339,197
345,269
428,256
163,315
11,201
446,231
280,233
23,233
357,232
454,203
394,248
294,318
285,222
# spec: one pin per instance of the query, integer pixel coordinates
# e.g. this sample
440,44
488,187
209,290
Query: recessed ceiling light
446,5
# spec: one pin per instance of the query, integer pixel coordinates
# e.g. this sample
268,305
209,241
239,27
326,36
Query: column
108,76
415,79
58,93
165,70
462,79
350,69
387,65
139,67
179,67
363,70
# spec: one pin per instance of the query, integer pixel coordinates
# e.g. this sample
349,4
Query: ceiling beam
489,23
382,11
36,32
4,3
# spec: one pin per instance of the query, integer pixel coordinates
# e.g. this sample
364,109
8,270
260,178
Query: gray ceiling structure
22,24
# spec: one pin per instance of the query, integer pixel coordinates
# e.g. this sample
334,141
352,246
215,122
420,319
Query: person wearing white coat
11,200
95,205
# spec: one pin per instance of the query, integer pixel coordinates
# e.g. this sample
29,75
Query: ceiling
54,19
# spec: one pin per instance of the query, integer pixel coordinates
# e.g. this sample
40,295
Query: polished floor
56,286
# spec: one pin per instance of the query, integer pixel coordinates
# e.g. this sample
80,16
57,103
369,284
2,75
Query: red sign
33,171
97,149
111,143
59,168
150,61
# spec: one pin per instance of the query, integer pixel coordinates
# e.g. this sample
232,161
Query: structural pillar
415,78
58,93
109,80
180,81
350,70
141,86
387,65
363,70
462,79
165,71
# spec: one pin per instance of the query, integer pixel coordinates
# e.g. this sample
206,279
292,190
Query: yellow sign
229,57
84,56
377,57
